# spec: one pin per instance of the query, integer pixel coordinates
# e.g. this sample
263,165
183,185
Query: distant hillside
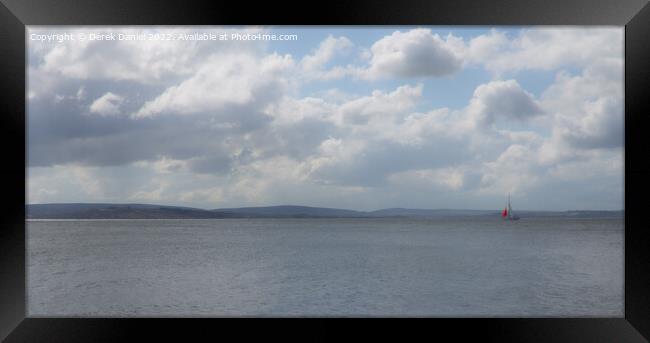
145,211
116,211
291,211
408,212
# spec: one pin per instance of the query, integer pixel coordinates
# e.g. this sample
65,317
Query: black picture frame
633,14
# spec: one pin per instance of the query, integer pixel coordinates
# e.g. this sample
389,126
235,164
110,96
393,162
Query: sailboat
507,214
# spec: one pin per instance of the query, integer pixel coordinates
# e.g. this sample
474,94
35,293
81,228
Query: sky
359,118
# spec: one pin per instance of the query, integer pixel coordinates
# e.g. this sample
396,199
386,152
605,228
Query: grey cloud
63,129
219,164
63,134
601,127
301,139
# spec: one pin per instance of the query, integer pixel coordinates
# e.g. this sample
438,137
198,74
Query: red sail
504,213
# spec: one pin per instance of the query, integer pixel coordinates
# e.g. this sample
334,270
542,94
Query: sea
379,267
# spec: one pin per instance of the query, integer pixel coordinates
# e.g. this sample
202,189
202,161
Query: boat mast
509,207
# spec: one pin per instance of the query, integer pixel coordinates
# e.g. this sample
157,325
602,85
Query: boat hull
511,218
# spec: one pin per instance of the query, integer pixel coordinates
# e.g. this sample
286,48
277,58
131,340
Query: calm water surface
326,267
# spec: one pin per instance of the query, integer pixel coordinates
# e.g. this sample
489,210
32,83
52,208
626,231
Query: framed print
468,169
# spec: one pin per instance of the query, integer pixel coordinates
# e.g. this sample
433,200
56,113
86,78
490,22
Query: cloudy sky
359,118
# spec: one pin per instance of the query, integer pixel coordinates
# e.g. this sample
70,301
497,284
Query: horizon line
292,205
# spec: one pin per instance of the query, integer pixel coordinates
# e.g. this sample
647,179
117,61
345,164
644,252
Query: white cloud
81,93
148,61
513,171
164,165
587,111
483,48
440,178
224,81
155,194
418,128
314,64
212,195
381,105
107,105
290,110
84,178
502,99
545,48
415,53
420,53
